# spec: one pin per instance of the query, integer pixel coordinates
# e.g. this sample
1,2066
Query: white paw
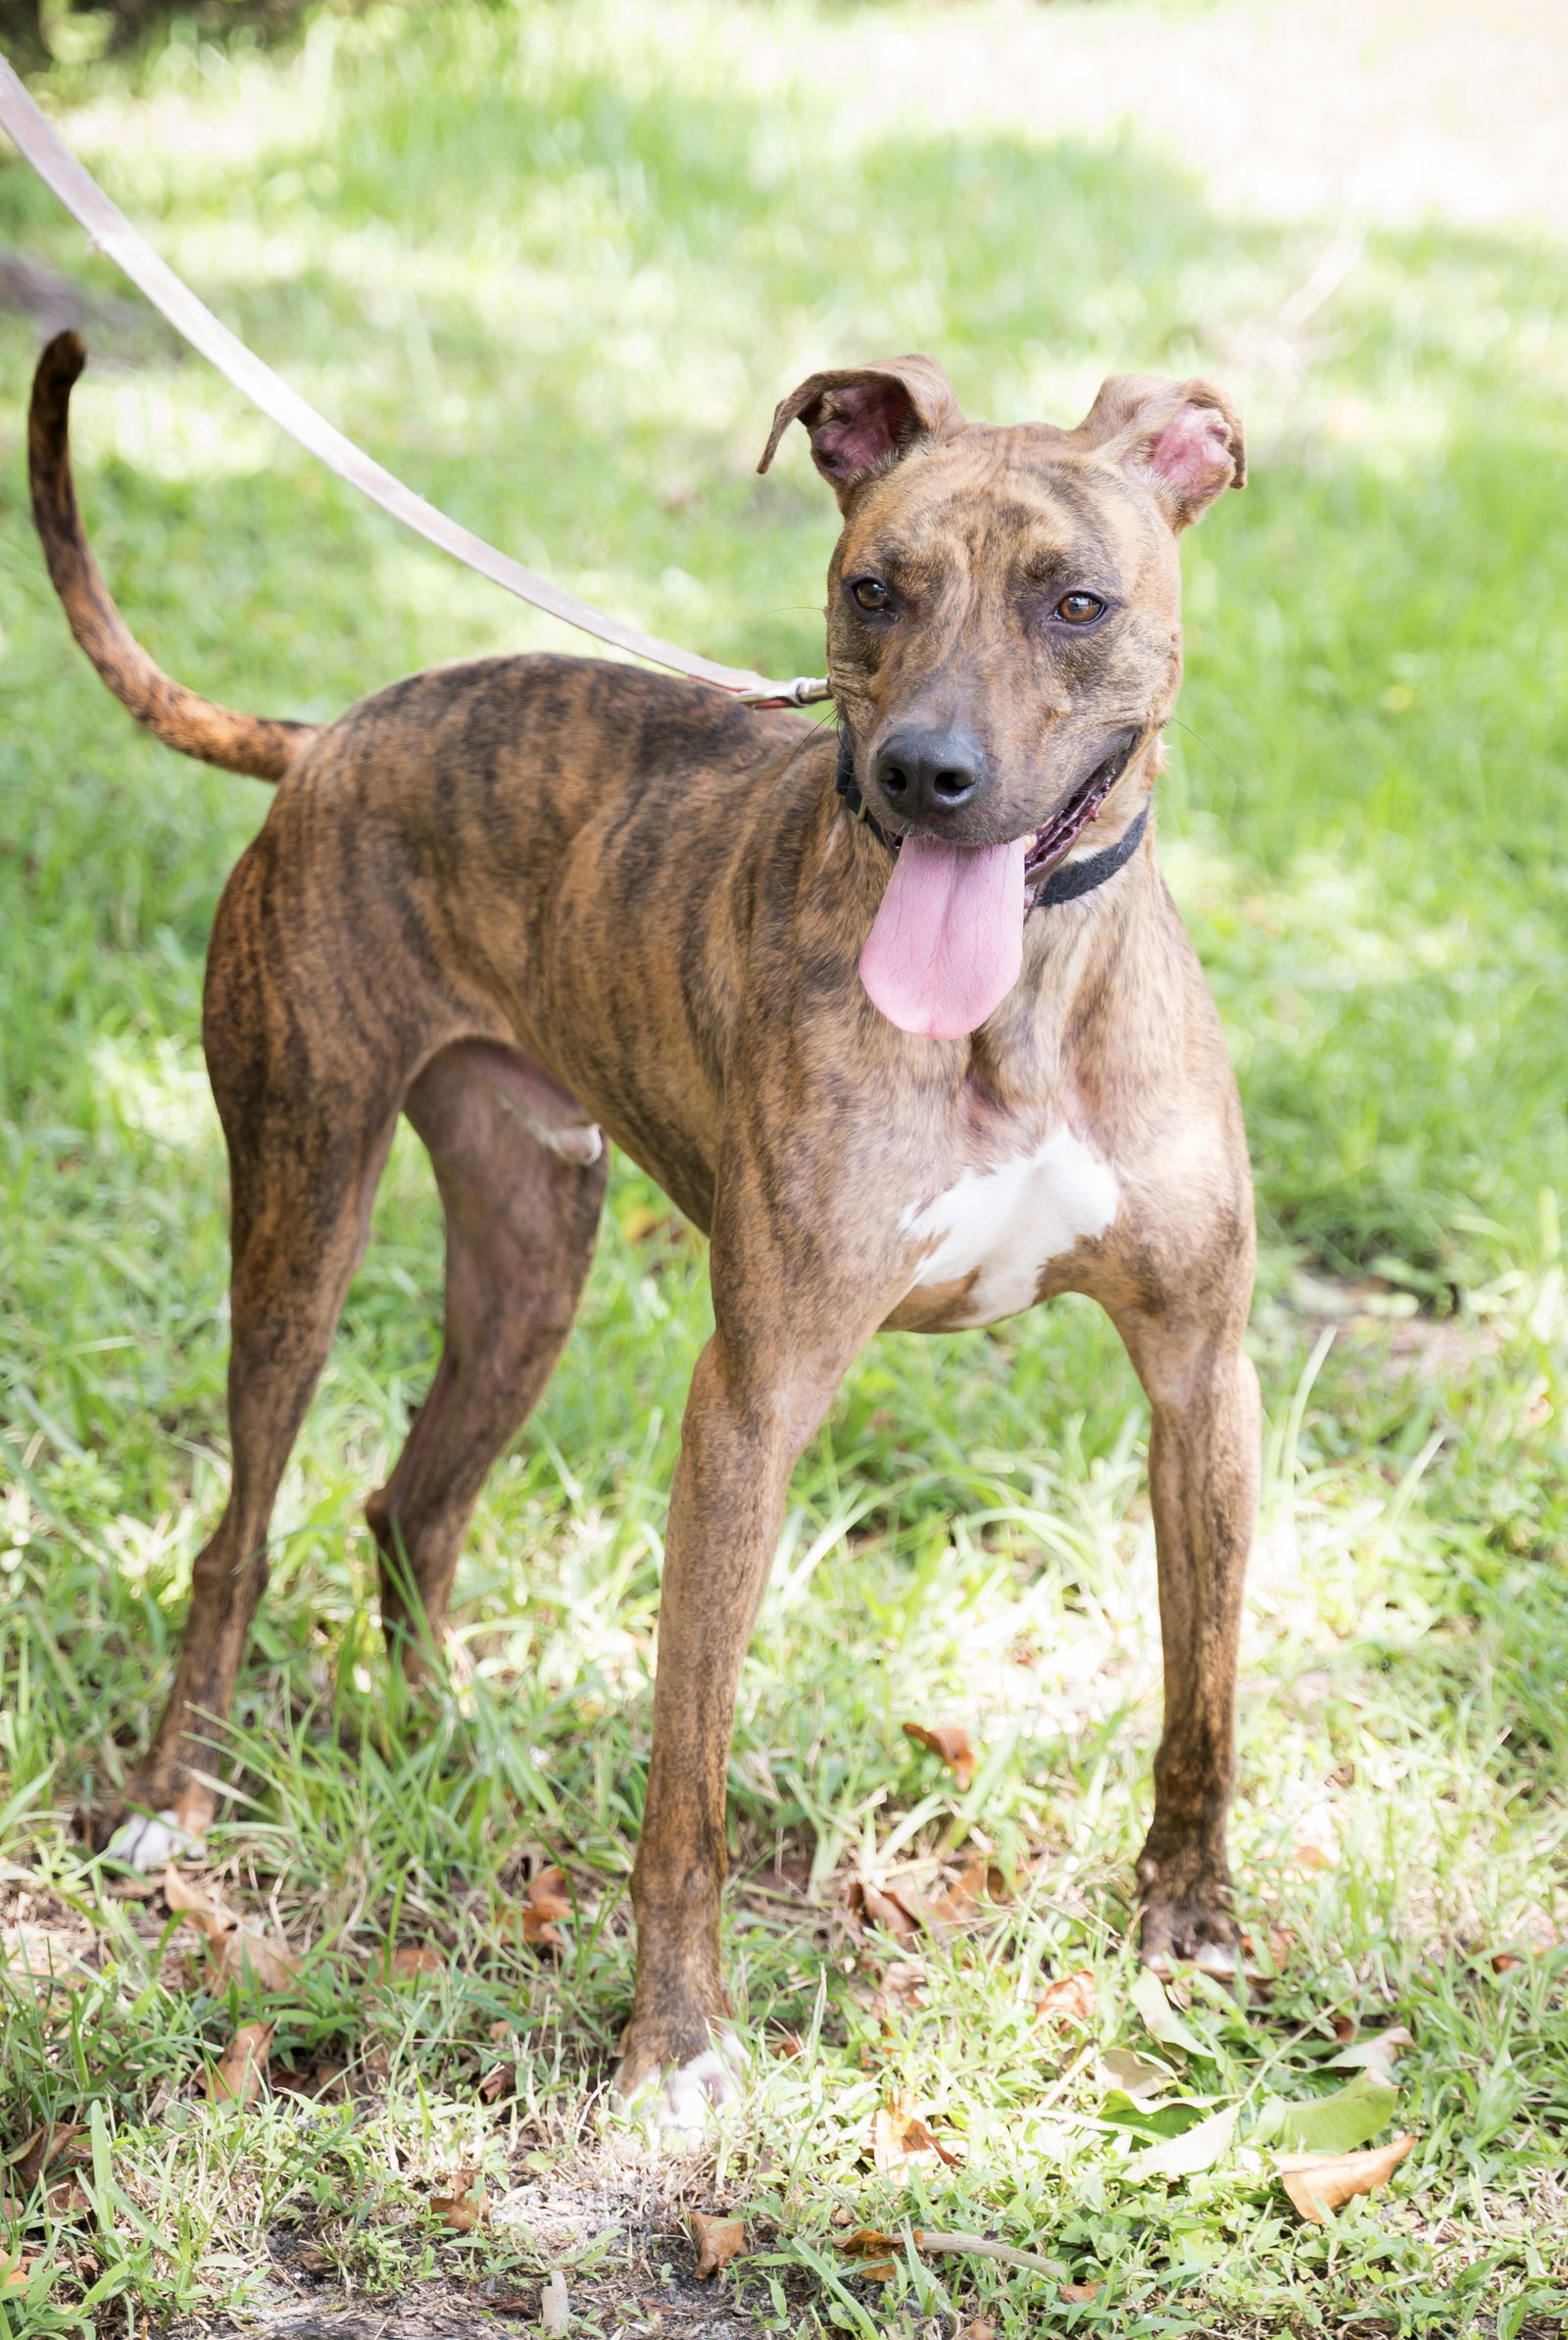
146,1843
688,2101
1217,1959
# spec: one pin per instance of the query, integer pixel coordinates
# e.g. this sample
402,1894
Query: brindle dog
921,1068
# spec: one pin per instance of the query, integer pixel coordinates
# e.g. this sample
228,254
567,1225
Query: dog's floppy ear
1181,441
861,418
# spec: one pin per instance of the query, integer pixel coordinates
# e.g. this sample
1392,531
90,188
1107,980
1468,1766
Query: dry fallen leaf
321,2077
1318,2182
901,2140
408,1963
237,2077
456,2211
66,2198
788,2046
958,1904
1070,1999
950,1741
194,1901
17,2276
718,2241
1134,2074
459,2210
899,1992
235,1948
1161,2020
546,1903
1075,2293
639,1225
896,1909
1375,2055
1504,1962
554,2310
1281,1943
499,2081
241,1952
873,2250
1195,2149
58,2141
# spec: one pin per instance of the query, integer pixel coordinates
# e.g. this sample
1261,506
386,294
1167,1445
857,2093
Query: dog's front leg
1202,1474
752,1408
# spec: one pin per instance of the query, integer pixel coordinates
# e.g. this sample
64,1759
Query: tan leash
41,145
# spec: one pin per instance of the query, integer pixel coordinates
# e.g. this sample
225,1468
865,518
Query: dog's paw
1200,1941
1186,1920
681,2103
1191,1931
149,1841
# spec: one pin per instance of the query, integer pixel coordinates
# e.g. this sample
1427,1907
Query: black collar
1062,885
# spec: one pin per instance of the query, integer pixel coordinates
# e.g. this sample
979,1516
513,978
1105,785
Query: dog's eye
1079,609
870,593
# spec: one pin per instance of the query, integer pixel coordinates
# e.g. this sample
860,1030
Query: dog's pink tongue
948,941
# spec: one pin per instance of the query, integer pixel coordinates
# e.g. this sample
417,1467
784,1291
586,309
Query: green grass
555,265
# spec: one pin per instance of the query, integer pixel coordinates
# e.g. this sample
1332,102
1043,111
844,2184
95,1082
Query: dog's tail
250,743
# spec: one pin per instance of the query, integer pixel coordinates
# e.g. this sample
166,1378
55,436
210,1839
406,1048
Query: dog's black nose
923,775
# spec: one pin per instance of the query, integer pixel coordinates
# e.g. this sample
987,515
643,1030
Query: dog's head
1004,639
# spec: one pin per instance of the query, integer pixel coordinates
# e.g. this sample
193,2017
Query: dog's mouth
1067,824
946,944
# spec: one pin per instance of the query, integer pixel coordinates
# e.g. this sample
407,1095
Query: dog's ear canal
861,418
1181,441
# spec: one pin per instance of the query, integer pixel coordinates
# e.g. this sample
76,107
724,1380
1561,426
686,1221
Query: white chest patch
1007,1220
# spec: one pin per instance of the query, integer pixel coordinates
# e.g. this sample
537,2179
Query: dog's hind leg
521,1209
305,1156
